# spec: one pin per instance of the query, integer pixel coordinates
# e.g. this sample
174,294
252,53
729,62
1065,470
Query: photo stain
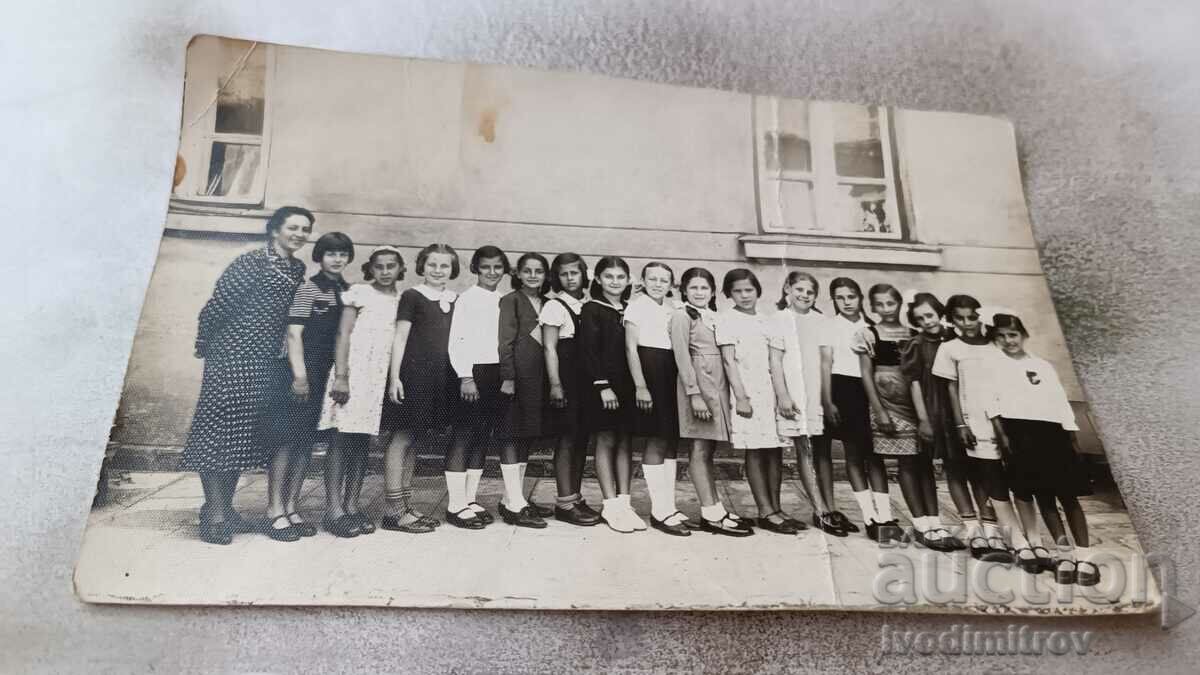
487,125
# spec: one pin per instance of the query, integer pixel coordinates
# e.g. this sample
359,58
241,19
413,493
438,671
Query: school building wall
410,152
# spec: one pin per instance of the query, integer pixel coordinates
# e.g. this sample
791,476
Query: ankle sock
713,513
567,503
656,485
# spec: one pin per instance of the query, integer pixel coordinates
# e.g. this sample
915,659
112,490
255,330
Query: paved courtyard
142,547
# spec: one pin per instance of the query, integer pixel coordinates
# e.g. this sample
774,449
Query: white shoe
635,521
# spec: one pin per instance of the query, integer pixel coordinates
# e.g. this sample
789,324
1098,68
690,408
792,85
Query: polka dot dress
241,335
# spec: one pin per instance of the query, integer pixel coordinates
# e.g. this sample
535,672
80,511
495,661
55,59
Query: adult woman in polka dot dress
241,334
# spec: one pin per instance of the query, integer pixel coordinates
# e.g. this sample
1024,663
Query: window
825,169
224,140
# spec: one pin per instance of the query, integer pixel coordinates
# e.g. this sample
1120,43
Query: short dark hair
739,274
596,290
925,299
489,251
962,300
880,289
284,212
332,242
366,267
693,272
429,250
847,282
526,257
562,260
1002,320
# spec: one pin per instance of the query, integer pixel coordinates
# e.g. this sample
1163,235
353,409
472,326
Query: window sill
841,250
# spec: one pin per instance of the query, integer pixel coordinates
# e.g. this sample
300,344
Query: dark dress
430,386
602,349
240,336
317,306
523,361
916,363
568,419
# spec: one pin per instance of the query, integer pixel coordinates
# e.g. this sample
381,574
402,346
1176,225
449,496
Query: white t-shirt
653,320
841,337
1028,388
554,314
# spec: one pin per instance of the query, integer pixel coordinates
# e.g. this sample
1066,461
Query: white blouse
841,337
554,314
653,320
474,330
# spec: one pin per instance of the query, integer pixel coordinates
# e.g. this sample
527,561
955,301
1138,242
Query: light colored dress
698,360
786,327
369,357
750,335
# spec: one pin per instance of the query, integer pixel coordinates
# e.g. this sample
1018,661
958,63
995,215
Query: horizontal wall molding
727,247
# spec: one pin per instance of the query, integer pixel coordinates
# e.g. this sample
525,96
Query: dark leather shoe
393,524
215,533
526,517
577,516
785,527
890,530
842,521
473,523
237,524
541,511
677,530
289,533
592,513
827,525
727,526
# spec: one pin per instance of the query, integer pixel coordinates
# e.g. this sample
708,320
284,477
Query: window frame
823,177
198,132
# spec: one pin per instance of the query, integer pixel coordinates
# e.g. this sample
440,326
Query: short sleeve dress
659,371
916,362
430,385
786,336
369,355
241,337
317,309
892,388
701,371
749,334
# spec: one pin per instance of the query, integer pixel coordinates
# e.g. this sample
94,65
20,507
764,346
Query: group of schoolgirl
569,357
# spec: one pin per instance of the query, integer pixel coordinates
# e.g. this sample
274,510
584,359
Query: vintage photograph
428,334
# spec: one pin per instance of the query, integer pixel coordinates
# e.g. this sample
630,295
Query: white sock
514,498
614,514
672,477
883,507
524,466
990,529
656,485
713,513
635,521
1083,553
1008,520
456,490
1034,538
473,477
867,504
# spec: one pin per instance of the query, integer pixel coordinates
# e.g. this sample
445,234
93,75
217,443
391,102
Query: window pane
862,208
240,99
232,169
857,149
786,139
793,202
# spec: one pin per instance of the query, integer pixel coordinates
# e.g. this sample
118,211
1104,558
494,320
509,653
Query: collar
574,303
326,284
477,289
444,298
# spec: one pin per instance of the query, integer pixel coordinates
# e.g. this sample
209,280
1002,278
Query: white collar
480,289
444,298
573,302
